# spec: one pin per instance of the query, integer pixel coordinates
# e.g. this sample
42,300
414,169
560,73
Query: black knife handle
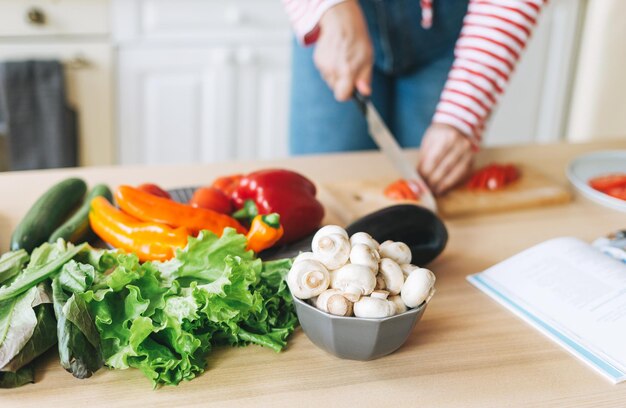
361,101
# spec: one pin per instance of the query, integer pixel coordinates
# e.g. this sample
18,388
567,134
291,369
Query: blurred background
179,81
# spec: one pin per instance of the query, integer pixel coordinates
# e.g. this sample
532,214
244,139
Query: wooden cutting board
349,200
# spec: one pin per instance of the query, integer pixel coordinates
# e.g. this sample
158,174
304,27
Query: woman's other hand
446,157
343,53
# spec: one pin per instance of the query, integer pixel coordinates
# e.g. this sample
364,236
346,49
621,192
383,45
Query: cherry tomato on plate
608,182
211,198
155,190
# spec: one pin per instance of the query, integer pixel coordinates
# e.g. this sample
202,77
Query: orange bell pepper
150,241
150,208
265,231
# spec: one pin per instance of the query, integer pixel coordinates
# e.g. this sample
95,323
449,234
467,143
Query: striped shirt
492,39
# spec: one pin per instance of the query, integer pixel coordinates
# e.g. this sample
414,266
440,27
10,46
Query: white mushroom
398,251
327,230
365,239
398,303
354,281
380,282
361,254
332,250
333,302
373,307
418,287
304,256
392,274
307,279
380,294
407,269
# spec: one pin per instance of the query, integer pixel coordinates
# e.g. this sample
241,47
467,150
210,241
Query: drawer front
26,18
198,19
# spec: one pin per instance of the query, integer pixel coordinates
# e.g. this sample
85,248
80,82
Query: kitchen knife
389,146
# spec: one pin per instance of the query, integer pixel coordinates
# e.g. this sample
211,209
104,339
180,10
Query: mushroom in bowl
372,297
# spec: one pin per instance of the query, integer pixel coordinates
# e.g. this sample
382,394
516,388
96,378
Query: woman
434,69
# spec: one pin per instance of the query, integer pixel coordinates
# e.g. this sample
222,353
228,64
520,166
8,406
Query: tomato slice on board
212,199
608,182
155,190
493,177
402,190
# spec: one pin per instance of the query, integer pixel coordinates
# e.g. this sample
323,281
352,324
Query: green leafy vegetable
11,264
78,339
45,261
18,322
42,339
163,318
23,376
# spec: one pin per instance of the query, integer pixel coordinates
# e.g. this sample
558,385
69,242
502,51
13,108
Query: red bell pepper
285,192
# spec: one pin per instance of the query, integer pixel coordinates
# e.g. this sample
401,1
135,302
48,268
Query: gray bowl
357,338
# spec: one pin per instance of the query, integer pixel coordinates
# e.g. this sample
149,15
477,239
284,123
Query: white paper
572,293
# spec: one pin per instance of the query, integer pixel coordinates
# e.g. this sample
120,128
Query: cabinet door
89,89
202,104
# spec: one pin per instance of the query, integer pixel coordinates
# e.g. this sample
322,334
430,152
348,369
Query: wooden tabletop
467,351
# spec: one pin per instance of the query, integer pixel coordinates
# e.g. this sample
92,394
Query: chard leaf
11,264
23,376
42,339
45,261
79,343
17,324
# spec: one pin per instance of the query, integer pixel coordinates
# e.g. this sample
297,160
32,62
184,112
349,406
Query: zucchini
76,229
47,214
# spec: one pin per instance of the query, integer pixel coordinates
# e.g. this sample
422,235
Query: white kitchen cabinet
201,80
202,104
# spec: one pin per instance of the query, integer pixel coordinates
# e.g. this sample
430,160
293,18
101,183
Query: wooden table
467,350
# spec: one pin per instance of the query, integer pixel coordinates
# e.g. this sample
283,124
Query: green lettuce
164,317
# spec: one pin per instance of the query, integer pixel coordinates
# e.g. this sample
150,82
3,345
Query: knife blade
385,141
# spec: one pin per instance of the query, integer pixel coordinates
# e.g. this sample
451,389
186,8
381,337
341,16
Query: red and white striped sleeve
305,15
493,36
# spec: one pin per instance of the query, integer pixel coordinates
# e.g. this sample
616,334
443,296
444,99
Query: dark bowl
419,228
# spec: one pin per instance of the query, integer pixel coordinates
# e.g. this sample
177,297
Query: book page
571,289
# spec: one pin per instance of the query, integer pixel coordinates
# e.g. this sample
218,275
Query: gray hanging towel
39,125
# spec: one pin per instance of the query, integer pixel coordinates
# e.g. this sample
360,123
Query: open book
572,293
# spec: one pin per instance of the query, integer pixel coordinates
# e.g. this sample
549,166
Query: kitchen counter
467,350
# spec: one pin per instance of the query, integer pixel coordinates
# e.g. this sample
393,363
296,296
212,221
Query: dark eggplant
417,227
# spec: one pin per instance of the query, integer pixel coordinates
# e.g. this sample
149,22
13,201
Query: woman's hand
343,54
446,157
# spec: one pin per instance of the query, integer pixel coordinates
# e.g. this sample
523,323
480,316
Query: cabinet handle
36,16
78,62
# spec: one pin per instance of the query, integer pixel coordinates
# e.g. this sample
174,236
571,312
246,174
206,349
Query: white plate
588,166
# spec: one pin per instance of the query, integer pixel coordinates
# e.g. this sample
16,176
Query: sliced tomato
493,177
608,182
402,190
155,190
227,184
212,199
617,192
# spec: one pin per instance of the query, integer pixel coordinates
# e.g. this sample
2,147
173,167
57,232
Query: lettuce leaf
23,376
164,317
